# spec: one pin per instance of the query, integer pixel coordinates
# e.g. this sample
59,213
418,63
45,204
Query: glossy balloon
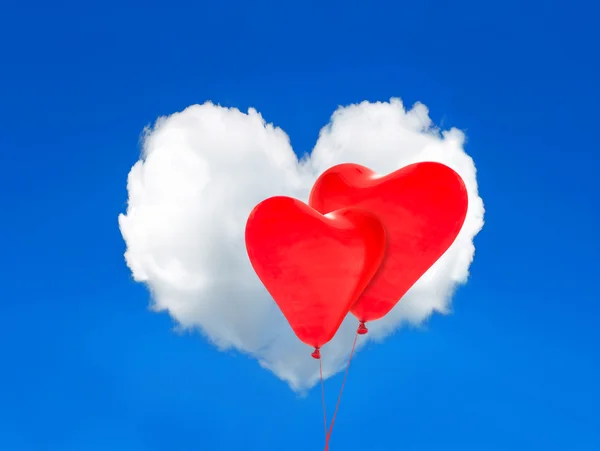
422,207
314,266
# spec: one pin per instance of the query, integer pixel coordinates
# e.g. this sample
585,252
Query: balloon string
323,397
340,395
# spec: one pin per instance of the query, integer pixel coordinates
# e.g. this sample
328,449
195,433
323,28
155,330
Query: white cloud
202,171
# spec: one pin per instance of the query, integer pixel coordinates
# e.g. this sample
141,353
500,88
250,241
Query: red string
328,436
323,397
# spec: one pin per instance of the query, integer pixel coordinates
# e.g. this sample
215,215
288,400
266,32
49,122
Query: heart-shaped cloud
184,226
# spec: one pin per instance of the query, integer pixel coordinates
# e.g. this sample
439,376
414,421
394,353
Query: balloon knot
316,354
362,329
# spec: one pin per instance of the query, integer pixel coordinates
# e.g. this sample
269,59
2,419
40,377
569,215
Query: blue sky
86,366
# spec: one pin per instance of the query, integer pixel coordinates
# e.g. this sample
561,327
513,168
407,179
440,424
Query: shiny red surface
422,207
315,267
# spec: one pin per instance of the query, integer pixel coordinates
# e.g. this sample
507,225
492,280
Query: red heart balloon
314,266
422,208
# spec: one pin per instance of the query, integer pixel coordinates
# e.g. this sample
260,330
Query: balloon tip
362,329
316,354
